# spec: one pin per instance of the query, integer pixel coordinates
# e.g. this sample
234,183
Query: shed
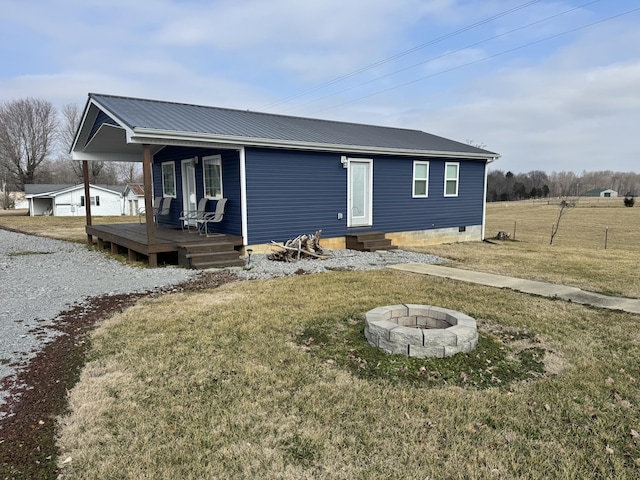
69,200
133,198
284,175
601,192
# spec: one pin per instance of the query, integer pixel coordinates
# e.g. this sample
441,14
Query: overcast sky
550,85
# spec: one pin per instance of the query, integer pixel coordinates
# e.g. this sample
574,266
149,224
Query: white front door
189,200
360,194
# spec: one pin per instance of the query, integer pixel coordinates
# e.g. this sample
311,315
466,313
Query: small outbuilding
601,192
133,198
69,200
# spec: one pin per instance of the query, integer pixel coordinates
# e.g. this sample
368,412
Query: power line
475,44
484,59
401,54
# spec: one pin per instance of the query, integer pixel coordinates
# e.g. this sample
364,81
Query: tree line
510,186
35,139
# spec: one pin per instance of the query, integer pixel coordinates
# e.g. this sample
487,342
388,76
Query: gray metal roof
54,188
136,113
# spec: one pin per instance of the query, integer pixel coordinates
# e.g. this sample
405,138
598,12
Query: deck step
369,242
209,255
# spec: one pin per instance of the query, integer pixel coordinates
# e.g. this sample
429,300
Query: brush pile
303,246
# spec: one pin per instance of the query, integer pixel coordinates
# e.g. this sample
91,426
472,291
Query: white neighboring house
69,200
133,198
601,192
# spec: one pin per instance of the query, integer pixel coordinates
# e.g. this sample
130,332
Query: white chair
156,208
211,217
190,217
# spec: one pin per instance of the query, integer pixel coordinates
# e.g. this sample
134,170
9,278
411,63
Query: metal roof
49,189
142,116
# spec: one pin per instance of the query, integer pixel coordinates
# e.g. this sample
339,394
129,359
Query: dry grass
577,256
71,229
214,385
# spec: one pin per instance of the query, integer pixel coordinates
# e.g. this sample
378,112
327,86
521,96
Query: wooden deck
170,242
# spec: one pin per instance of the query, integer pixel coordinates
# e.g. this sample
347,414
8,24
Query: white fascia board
146,135
106,157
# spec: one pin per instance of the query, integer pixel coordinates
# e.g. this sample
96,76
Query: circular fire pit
420,330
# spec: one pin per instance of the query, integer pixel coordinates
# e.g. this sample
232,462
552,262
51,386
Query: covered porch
170,245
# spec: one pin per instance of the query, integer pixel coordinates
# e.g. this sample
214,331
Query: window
212,174
420,179
168,179
451,179
95,201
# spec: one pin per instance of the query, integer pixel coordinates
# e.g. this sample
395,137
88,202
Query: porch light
249,252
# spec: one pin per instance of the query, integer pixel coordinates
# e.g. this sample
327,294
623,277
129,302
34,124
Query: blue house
283,176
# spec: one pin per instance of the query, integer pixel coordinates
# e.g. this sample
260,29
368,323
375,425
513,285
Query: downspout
243,197
484,195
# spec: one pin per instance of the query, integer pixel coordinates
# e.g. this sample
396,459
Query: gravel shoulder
41,277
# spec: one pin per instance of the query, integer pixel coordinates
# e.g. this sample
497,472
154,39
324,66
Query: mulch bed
38,393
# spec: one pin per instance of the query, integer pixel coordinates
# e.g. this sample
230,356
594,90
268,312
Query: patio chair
211,217
156,207
190,217
165,209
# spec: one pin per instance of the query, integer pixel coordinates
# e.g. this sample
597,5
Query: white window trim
175,188
215,159
457,179
413,186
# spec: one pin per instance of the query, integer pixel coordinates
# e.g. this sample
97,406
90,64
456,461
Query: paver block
439,337
406,335
451,351
372,338
418,310
424,352
381,328
438,313
465,320
391,347
386,313
409,321
464,334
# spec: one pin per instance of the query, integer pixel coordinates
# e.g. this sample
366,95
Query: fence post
514,229
606,237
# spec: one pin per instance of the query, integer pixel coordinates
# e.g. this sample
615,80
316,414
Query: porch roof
114,128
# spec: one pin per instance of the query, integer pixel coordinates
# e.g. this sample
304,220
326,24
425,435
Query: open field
71,229
577,256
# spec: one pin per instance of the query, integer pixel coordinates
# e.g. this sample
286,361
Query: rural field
274,379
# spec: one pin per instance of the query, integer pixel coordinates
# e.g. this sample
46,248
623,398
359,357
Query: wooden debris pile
303,246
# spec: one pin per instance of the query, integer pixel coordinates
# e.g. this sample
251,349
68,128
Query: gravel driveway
41,277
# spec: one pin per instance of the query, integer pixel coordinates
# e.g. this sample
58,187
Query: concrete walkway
571,294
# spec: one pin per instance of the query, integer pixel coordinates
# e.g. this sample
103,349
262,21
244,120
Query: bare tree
566,203
28,129
129,172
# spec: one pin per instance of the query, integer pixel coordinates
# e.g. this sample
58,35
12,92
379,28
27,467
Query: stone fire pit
420,330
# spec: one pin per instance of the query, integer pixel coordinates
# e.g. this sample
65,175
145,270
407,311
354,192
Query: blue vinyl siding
291,193
295,192
232,222
394,209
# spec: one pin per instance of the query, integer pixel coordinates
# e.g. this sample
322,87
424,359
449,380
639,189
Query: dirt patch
37,395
